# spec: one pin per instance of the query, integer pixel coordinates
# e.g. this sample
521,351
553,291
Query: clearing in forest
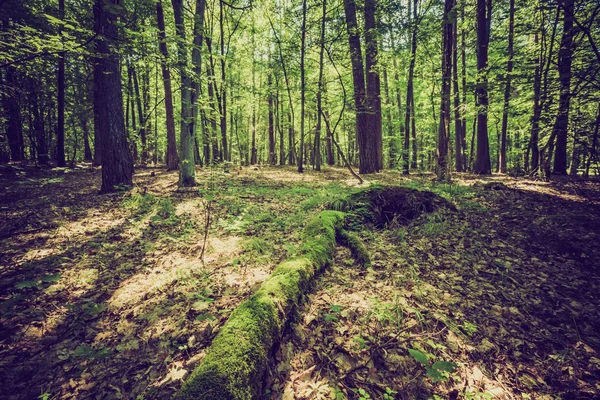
491,292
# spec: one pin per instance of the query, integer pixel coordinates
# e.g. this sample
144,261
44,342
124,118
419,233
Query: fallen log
238,357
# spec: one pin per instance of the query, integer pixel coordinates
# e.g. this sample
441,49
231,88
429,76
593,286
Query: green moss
356,246
237,359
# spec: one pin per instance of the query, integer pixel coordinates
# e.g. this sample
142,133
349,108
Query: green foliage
438,371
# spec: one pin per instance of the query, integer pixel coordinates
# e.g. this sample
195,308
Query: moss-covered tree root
236,361
356,246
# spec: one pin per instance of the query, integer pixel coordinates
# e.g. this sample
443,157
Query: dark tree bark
484,14
117,163
463,121
367,152
565,55
172,160
509,69
60,131
443,144
186,137
373,81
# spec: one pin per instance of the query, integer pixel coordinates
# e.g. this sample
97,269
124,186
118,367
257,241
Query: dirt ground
119,295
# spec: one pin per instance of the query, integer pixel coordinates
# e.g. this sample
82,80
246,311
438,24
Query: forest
312,199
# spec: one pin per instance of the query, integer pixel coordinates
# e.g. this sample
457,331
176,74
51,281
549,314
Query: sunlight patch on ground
171,268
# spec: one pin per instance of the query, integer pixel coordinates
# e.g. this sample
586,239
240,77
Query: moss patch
237,359
356,246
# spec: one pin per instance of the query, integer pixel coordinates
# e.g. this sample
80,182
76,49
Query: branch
46,53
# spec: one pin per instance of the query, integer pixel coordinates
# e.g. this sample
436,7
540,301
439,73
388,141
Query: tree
117,162
186,137
373,82
172,160
60,131
443,144
302,87
484,14
565,59
509,70
367,153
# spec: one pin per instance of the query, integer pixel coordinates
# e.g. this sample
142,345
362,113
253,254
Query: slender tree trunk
367,153
223,97
537,111
302,87
60,132
395,142
463,106
564,71
593,156
138,100
320,90
172,159
484,14
197,124
186,136
458,130
509,68
117,163
443,144
393,148
12,109
271,127
87,151
410,91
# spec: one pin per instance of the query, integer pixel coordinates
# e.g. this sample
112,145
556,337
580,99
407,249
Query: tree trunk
390,128
140,112
172,159
410,118
367,153
509,68
373,81
117,162
458,130
484,14
271,127
302,87
320,90
223,97
537,112
444,131
564,71
197,124
12,110
60,131
186,136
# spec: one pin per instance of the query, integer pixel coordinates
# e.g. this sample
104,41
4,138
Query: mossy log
237,360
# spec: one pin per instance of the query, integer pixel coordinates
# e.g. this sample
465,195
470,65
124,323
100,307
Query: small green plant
333,315
389,394
438,371
363,394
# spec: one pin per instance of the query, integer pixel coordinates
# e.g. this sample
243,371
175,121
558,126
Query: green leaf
26,284
419,356
444,366
51,278
330,317
434,374
204,317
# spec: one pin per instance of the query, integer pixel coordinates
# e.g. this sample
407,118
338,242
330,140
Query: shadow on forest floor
506,289
106,295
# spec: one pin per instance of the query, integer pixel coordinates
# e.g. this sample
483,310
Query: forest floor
117,296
